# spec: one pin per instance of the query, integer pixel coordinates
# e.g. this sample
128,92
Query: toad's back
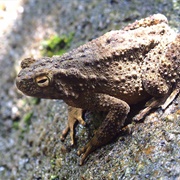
113,64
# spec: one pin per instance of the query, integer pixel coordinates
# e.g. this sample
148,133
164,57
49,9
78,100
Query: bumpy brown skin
108,74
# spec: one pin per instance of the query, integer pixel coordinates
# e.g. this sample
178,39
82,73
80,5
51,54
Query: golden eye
42,81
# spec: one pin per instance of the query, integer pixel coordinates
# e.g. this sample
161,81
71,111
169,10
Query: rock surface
30,146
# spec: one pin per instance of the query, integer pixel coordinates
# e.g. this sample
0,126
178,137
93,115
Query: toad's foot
74,115
91,146
153,103
170,98
87,149
164,102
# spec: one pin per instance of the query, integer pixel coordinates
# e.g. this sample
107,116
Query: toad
110,73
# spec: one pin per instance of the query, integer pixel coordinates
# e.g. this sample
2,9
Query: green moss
56,45
24,123
35,101
16,125
27,118
52,163
54,177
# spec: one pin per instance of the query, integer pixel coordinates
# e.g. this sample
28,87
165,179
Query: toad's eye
42,81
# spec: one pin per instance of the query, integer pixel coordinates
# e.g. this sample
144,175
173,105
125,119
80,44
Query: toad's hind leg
170,98
162,102
74,115
110,127
154,84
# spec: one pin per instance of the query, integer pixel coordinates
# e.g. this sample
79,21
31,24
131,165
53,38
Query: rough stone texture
33,150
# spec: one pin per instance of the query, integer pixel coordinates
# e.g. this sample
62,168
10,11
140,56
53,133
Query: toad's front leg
74,115
112,124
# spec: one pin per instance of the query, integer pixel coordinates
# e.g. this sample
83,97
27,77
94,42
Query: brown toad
120,68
